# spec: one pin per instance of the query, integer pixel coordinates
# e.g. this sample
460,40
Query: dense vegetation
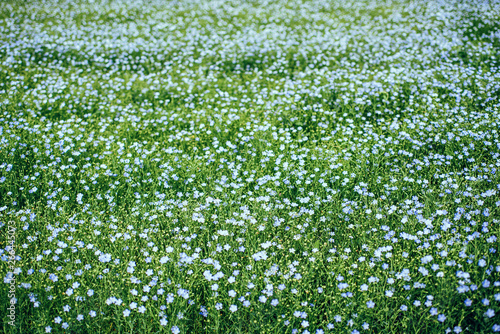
250,166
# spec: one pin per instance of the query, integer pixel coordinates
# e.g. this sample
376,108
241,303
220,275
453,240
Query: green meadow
263,166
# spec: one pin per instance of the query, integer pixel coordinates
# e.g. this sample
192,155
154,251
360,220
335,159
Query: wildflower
489,313
104,258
